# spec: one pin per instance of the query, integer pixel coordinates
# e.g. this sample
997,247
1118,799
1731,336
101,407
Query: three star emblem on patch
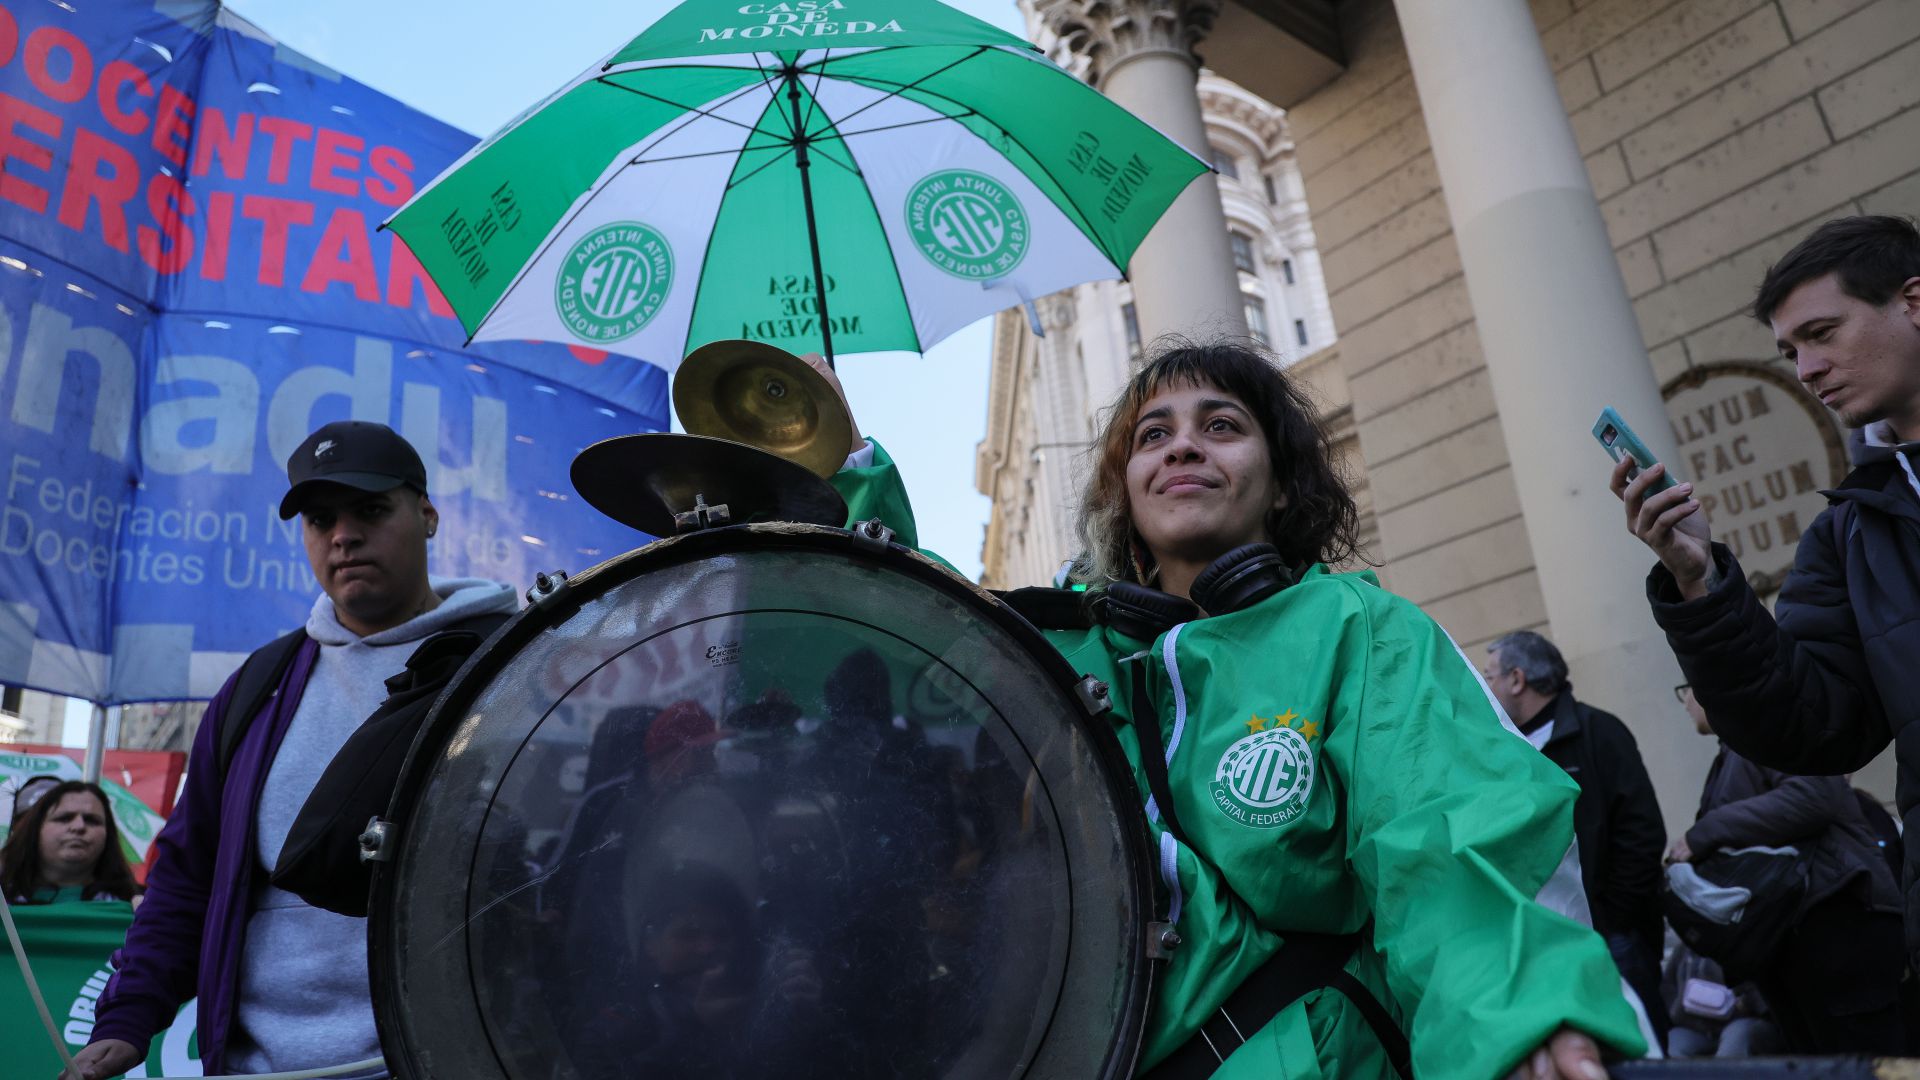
1265,779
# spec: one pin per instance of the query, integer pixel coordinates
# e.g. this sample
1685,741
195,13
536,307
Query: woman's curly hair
1318,521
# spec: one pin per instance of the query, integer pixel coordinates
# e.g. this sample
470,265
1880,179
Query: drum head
763,802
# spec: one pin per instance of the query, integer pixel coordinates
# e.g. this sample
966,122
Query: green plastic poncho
1337,760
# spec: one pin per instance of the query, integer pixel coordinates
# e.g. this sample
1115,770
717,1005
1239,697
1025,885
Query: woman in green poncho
1336,772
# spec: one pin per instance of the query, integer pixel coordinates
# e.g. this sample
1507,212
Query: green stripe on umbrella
885,174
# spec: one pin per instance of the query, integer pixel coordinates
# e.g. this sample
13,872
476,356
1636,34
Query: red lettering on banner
391,164
231,143
15,114
344,255
404,272
213,264
171,127
114,78
284,133
170,205
87,184
330,152
9,36
276,216
40,46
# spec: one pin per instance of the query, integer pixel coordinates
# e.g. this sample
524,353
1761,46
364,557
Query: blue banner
192,279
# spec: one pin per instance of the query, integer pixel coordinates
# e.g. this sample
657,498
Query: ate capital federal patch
1265,779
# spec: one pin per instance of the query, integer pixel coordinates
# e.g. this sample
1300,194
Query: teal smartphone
1618,440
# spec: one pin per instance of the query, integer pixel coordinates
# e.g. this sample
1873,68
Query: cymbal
766,397
645,480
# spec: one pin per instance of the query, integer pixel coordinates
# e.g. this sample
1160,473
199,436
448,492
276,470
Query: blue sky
475,64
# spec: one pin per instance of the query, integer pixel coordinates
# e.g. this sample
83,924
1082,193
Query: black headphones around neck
1242,577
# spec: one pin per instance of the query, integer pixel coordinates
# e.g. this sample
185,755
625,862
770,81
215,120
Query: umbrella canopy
738,170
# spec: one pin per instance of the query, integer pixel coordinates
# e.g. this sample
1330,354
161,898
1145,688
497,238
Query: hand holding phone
1661,512
1618,440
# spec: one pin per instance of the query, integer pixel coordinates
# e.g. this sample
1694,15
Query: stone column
1561,342
1060,414
1140,54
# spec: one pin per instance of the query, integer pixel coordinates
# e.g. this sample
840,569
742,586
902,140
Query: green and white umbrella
930,169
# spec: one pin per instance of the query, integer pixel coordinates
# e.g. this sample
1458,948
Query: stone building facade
1701,139
29,716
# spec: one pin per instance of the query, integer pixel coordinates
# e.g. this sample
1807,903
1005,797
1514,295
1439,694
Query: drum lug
1162,939
702,516
872,533
1093,696
548,589
373,842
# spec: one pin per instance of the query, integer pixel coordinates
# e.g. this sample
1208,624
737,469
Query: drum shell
698,565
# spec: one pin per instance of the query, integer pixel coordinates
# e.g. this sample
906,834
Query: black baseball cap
356,453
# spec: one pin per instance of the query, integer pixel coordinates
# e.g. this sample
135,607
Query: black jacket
1616,819
1825,687
1743,805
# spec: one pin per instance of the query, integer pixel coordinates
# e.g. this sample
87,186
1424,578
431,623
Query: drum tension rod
548,588
1094,696
373,842
872,533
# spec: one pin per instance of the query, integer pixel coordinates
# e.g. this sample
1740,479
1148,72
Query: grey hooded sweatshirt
303,996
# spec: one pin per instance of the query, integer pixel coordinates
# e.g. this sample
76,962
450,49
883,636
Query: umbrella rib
709,153
892,259
762,167
593,194
844,135
813,101
766,83
902,88
695,109
851,169
1011,137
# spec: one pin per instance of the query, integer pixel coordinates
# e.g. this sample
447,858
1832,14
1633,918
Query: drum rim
451,707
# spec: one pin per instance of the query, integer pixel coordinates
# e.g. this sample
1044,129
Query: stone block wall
1716,133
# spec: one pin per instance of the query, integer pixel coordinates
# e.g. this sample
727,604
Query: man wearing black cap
282,985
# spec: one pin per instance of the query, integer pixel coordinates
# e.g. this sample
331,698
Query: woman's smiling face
1200,480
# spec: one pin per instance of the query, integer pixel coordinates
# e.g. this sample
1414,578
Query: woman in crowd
66,847
1328,783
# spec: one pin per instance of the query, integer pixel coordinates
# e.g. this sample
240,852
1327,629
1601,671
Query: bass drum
765,801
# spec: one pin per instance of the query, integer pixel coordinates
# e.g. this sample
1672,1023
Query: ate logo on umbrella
613,281
967,223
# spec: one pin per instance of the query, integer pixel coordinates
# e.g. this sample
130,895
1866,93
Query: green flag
68,946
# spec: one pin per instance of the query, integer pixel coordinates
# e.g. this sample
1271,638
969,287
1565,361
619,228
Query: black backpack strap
1305,963
259,678
1153,754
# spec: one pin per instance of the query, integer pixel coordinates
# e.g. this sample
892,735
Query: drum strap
1305,963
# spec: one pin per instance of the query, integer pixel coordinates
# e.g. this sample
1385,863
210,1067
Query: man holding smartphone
1825,684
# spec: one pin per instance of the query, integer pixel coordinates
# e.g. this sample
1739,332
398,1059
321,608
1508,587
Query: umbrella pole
806,197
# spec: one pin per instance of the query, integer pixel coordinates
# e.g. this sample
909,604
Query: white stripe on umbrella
896,148
697,157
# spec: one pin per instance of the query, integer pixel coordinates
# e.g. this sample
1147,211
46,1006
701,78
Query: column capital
1057,311
1107,33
